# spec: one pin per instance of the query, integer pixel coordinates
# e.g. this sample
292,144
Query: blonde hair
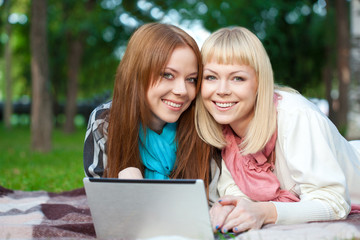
238,45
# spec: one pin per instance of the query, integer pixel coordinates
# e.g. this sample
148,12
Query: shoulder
297,114
294,102
98,112
99,115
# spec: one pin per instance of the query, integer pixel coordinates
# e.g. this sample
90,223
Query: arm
226,184
130,173
224,209
213,191
95,157
306,151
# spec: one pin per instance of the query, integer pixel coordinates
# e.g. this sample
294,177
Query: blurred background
58,61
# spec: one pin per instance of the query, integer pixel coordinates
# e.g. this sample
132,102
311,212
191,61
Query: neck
157,125
157,129
240,127
240,132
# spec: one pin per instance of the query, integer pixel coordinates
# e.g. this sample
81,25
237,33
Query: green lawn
59,170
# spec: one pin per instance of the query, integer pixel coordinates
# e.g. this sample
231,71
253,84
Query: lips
173,104
224,104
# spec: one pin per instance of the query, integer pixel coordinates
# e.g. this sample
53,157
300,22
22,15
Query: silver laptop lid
139,209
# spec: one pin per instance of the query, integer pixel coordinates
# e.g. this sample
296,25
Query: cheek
148,96
251,100
204,91
192,93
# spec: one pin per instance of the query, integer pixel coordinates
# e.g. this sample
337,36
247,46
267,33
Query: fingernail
219,200
236,229
217,227
224,230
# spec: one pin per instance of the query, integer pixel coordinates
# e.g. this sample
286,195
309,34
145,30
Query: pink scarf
253,172
355,208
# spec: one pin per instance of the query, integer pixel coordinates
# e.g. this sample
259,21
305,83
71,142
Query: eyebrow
172,69
231,73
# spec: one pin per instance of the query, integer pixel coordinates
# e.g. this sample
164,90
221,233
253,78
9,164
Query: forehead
226,56
181,54
226,69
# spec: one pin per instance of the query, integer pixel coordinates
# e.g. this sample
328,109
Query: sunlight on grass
59,170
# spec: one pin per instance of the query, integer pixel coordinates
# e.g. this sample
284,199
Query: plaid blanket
40,215
66,215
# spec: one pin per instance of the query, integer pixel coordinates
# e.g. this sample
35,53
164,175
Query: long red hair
147,53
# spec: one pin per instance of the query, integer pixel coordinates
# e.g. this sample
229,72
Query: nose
179,87
223,88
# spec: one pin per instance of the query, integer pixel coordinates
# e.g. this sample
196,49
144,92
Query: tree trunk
41,109
328,69
76,43
343,67
74,64
327,78
8,107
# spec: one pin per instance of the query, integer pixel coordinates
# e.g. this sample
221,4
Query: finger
247,224
229,200
214,212
241,228
235,218
225,201
218,215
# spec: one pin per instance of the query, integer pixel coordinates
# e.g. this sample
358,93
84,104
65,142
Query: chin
222,121
171,119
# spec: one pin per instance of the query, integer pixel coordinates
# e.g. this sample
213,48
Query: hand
130,173
218,214
246,214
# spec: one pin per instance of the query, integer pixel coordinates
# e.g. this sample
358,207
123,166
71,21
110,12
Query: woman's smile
224,105
172,104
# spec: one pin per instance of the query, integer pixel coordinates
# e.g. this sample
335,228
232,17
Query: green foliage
85,21
293,33
59,170
20,47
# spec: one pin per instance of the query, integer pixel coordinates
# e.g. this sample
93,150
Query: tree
41,110
8,109
75,53
343,67
329,56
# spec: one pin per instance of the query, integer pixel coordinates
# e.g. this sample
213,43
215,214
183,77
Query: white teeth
172,104
224,105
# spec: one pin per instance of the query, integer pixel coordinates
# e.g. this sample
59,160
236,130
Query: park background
58,62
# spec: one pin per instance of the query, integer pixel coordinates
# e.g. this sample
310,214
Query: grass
56,171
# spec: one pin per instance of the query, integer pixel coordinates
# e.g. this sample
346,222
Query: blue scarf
158,152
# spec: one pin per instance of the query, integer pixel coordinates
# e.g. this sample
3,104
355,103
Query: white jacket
313,160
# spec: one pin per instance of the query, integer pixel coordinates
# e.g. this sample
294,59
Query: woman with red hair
148,129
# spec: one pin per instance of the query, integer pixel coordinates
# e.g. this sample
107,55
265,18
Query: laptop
143,208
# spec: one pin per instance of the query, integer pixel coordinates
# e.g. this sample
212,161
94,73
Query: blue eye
192,79
210,77
168,76
238,79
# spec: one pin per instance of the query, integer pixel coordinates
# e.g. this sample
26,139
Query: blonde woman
283,160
